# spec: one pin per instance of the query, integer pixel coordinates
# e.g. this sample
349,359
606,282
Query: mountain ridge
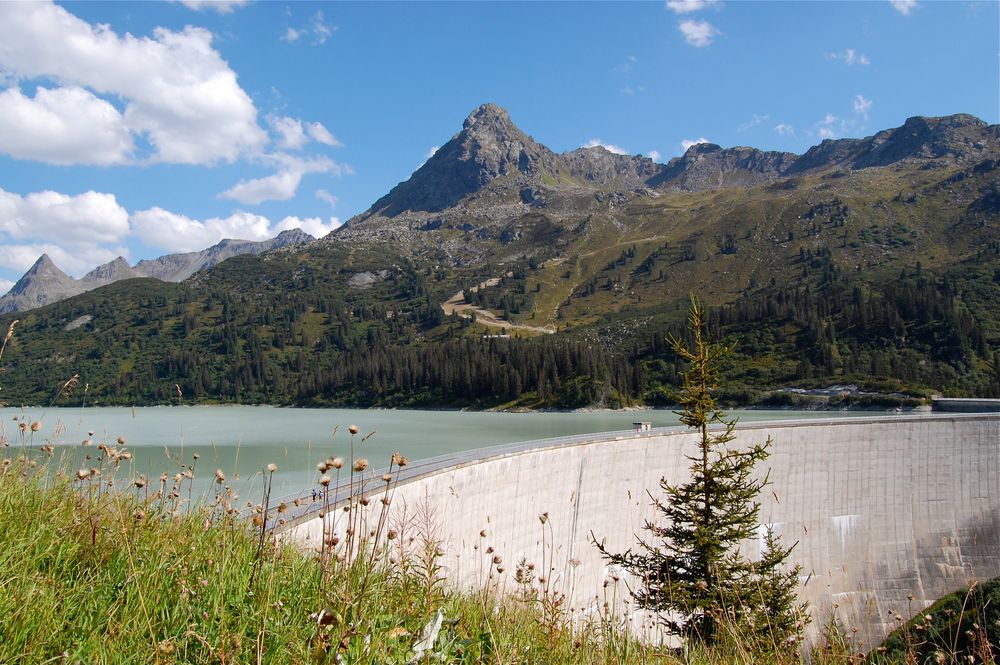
46,283
491,173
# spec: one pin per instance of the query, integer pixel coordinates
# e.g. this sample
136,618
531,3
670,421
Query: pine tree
691,571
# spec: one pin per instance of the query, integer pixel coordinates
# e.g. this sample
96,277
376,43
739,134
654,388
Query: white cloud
627,65
62,126
826,128
82,225
687,143
430,151
904,7
633,90
278,187
754,120
316,27
324,195
314,226
291,133
178,233
654,155
688,6
850,56
610,147
862,106
321,134
178,92
6,285
785,130
282,185
75,260
88,218
697,33
220,6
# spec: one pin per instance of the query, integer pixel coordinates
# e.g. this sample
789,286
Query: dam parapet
888,513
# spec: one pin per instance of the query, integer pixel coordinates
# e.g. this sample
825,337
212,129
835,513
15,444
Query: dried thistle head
353,429
220,477
67,388
325,481
399,460
387,477
360,464
337,462
271,468
35,426
10,331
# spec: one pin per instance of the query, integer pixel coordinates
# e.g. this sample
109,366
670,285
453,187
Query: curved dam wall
889,513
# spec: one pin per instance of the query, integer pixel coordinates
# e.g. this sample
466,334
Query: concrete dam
888,513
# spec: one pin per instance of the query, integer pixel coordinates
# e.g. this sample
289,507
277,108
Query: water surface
241,440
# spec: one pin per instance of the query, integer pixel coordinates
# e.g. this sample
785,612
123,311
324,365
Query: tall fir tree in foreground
690,570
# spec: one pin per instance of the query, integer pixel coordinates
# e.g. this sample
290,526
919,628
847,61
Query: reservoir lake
242,440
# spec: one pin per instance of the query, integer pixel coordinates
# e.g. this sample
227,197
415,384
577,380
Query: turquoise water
241,440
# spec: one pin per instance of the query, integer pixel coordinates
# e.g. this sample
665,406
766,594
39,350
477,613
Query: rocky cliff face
178,267
706,166
45,283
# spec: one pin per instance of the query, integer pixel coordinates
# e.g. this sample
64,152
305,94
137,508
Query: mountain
492,182
45,283
178,267
869,261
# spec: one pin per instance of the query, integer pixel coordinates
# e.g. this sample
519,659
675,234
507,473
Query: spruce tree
691,571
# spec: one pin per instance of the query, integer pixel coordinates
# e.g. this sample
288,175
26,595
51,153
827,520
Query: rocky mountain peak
490,146
489,118
110,272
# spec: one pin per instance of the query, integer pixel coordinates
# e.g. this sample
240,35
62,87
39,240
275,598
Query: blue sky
147,128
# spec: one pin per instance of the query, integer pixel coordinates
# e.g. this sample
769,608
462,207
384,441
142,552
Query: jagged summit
489,146
110,272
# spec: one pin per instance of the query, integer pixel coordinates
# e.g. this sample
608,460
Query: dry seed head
353,429
364,501
82,474
220,477
399,460
322,467
360,464
386,501
325,481
271,468
121,442
35,426
387,477
543,518
497,560
337,462
391,535
140,482
483,533
282,507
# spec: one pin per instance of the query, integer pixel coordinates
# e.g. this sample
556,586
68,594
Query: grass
97,567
